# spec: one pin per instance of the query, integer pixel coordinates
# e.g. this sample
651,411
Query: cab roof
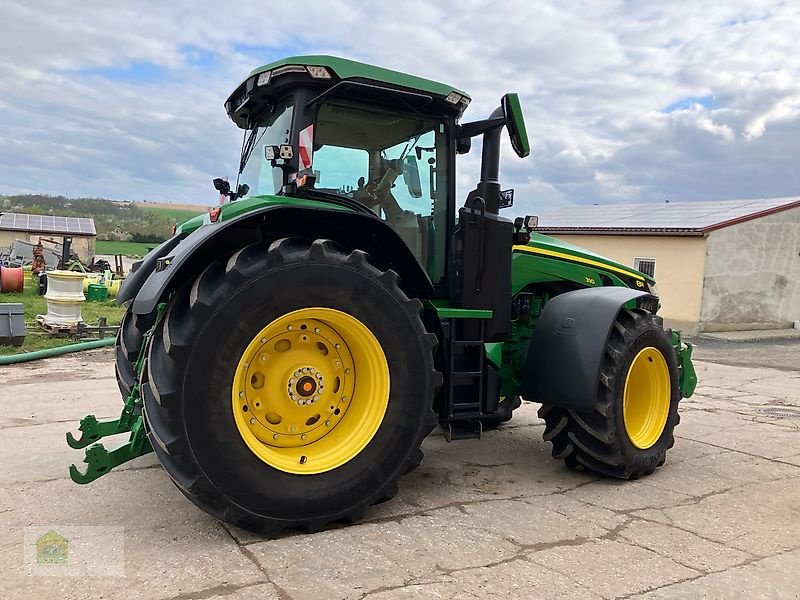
351,69
341,78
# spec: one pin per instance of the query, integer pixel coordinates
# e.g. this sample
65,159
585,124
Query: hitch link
99,460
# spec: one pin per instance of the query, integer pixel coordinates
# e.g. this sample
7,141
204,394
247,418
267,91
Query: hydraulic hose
50,352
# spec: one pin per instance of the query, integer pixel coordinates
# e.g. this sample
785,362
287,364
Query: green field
178,215
133,249
35,338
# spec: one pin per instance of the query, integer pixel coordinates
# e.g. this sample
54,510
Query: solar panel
672,215
47,224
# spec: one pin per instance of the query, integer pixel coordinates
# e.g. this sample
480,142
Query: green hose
47,353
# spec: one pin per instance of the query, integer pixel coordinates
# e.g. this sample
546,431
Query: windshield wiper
248,144
350,203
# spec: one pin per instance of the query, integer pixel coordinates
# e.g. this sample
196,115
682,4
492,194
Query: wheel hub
295,384
303,353
305,385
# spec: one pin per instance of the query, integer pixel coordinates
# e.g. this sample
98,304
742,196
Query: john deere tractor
286,354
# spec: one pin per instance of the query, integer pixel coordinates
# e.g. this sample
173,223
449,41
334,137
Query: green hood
556,248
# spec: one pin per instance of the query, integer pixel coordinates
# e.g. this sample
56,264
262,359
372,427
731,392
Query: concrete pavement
753,335
496,518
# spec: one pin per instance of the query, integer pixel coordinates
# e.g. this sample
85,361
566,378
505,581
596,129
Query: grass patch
179,215
33,304
132,249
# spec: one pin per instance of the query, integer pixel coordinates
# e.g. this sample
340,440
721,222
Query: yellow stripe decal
578,259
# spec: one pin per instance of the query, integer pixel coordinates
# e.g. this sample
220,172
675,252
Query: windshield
396,165
273,130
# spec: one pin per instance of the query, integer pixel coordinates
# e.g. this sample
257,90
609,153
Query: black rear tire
128,348
193,355
597,440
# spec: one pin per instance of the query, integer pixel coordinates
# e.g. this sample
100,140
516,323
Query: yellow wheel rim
310,390
646,400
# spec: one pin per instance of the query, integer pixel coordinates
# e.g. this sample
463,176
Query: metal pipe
490,156
50,352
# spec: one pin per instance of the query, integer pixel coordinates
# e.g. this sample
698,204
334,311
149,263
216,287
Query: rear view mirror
515,123
411,176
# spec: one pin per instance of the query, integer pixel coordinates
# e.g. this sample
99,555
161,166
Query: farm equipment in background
21,253
286,354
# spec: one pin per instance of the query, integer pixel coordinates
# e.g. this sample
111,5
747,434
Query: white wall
753,271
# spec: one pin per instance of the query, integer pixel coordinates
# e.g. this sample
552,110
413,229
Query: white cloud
785,109
594,77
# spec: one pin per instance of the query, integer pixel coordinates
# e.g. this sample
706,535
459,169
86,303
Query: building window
645,265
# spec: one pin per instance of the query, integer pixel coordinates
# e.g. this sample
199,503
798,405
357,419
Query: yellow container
90,278
113,287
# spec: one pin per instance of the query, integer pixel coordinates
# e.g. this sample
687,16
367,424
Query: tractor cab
350,133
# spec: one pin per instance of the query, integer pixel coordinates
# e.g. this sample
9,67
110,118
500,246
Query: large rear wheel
128,348
630,428
290,386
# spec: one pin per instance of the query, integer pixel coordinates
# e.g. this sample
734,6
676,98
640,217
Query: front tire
630,428
231,438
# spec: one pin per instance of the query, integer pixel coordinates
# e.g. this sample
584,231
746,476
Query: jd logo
51,549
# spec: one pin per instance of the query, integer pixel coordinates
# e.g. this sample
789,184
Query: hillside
137,221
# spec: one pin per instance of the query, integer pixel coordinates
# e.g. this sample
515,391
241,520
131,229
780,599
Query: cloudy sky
625,101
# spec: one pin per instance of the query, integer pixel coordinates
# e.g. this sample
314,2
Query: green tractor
286,354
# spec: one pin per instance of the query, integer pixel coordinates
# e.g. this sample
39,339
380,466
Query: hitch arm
100,461
92,430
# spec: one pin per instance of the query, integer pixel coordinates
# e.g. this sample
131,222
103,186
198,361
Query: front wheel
290,386
630,428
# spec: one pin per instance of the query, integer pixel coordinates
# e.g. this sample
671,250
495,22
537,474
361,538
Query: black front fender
563,363
174,263
142,269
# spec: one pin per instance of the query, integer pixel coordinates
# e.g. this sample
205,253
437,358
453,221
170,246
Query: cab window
396,165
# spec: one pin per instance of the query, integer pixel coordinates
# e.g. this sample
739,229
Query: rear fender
141,270
566,350
174,265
